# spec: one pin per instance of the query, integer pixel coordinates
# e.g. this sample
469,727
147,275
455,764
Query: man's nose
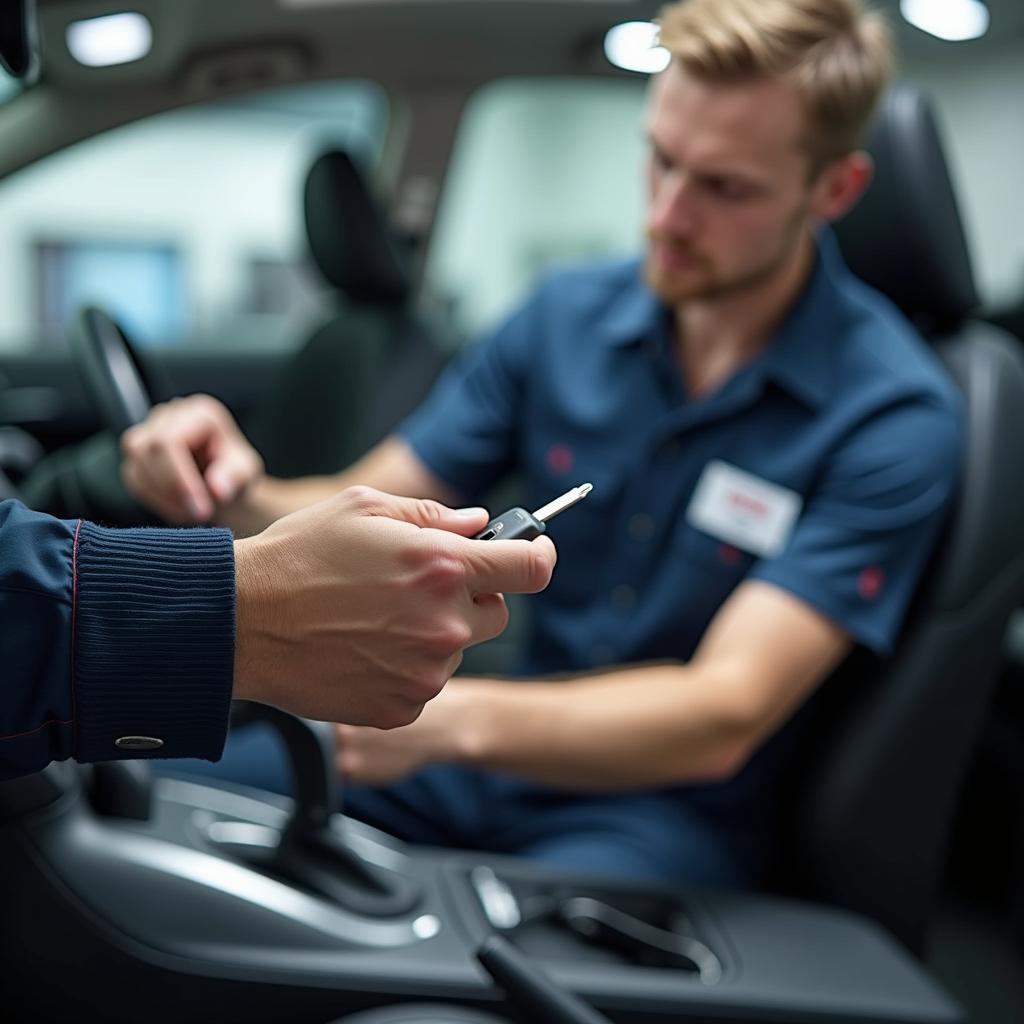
673,209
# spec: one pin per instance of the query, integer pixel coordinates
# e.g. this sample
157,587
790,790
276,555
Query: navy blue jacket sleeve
106,634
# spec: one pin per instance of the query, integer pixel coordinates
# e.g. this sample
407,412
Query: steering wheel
110,369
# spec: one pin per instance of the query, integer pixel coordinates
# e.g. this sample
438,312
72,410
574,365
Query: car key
518,524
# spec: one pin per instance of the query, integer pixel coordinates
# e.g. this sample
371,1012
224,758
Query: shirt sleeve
467,430
110,634
861,543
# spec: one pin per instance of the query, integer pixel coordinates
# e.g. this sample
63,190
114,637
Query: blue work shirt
846,406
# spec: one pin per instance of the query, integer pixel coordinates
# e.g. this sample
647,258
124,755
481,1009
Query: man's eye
661,161
726,188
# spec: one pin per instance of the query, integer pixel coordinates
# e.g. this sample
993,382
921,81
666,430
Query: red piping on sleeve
28,732
74,633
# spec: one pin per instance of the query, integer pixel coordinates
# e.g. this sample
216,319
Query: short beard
712,289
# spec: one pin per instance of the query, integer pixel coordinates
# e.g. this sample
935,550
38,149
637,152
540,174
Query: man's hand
447,731
188,460
376,757
357,609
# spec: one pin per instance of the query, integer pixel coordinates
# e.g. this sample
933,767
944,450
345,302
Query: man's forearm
391,467
651,725
269,499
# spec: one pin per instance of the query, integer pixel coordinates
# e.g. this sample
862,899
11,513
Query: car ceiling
208,49
410,39
397,40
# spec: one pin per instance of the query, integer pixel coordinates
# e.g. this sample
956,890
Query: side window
187,226
544,172
9,86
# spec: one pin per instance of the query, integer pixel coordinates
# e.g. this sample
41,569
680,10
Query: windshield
187,225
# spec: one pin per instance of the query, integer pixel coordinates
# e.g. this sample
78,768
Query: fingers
492,566
231,471
163,456
512,566
346,760
421,512
176,481
152,492
487,619
159,464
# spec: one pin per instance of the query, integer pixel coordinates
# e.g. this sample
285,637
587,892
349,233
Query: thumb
511,566
227,474
428,514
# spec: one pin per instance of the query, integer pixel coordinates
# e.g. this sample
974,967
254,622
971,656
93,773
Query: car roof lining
428,55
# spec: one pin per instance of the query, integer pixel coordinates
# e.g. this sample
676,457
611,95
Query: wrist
252,600
471,717
251,511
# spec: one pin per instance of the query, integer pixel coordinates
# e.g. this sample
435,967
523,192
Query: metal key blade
562,502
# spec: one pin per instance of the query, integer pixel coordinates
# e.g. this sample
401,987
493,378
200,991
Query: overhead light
112,39
954,20
633,45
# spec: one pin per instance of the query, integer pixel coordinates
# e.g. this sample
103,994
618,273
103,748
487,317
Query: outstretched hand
357,609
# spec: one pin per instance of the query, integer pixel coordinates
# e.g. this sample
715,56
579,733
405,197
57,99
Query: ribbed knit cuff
154,641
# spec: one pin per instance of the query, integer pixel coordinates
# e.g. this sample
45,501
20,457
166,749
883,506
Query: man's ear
841,184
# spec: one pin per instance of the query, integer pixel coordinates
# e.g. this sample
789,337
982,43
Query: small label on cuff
139,743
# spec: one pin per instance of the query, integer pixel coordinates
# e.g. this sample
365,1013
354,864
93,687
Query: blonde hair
837,54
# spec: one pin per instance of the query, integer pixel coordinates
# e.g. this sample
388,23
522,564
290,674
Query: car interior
897,894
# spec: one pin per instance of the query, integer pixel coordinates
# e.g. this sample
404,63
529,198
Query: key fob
515,524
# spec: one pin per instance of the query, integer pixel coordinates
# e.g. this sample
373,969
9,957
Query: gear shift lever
310,749
311,852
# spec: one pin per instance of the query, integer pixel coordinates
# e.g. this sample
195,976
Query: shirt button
624,597
601,654
669,448
641,527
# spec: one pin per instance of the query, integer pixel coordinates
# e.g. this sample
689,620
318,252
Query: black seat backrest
6,488
19,451
875,779
373,360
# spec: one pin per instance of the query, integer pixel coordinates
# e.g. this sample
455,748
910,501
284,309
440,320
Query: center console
166,899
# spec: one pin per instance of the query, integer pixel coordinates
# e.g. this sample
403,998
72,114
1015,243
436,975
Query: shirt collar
801,357
636,316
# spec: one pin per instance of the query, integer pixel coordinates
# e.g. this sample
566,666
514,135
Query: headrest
905,237
348,236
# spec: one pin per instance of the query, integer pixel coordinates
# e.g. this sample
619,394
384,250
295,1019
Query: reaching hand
188,460
357,609
378,757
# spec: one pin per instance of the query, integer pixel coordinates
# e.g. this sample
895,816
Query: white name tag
742,509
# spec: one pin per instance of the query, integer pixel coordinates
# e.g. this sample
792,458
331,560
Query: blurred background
188,225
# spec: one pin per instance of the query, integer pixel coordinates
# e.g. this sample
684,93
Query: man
122,643
772,449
